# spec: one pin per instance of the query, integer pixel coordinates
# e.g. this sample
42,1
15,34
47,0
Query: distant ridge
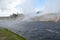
13,17
47,17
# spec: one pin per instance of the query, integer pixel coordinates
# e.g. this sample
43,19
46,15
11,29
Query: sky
8,7
52,6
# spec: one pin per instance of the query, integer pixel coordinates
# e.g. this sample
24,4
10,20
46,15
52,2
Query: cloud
8,7
28,6
52,6
11,3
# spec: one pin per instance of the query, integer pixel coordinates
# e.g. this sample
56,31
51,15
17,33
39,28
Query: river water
34,30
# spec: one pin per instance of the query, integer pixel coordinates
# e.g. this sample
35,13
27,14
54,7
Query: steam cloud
7,7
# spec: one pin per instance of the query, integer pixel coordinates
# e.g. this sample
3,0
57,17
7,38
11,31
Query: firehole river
34,30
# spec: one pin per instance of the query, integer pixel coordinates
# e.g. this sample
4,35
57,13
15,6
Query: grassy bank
5,34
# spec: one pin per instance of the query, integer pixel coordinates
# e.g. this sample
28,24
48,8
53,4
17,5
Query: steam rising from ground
8,7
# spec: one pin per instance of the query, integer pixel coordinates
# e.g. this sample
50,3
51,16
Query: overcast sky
52,6
7,7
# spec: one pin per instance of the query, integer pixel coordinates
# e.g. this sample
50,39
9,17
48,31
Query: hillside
5,34
47,17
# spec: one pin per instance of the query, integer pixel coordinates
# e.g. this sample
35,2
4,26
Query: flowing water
34,30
